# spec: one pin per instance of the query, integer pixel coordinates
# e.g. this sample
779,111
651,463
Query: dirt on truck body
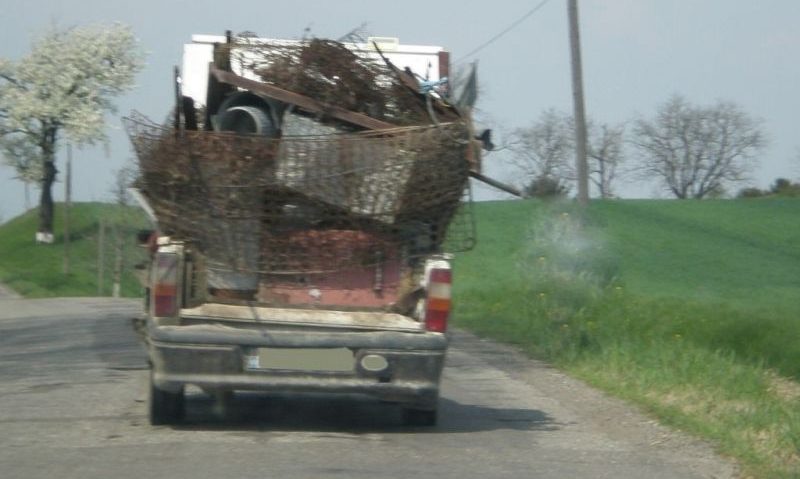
305,208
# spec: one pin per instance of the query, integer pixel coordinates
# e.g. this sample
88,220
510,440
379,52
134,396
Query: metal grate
307,204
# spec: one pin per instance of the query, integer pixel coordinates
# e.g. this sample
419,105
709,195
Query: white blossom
63,87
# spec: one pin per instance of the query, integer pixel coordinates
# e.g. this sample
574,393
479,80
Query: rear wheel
165,407
419,417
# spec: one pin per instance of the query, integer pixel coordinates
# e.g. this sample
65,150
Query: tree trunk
49,171
46,206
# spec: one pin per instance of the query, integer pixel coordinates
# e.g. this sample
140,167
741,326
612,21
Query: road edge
618,418
8,293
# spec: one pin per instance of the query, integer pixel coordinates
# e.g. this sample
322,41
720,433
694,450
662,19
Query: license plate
338,359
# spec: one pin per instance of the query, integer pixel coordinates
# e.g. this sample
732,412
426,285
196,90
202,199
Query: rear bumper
214,358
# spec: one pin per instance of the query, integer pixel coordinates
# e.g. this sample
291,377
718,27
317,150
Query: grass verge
37,270
704,360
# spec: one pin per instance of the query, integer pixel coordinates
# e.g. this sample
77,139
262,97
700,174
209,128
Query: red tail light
165,285
437,306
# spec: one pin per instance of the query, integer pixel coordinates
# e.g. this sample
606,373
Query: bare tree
695,151
64,86
543,152
606,155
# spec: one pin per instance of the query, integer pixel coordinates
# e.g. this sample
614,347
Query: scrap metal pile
321,189
334,75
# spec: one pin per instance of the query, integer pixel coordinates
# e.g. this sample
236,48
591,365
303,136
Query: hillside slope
37,270
744,253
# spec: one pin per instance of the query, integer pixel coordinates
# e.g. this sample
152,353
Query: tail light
165,284
437,305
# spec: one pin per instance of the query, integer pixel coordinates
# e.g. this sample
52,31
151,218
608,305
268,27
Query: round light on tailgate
374,363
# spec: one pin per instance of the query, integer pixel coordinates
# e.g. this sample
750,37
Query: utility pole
581,165
67,205
101,246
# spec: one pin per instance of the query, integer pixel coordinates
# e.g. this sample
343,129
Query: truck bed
307,318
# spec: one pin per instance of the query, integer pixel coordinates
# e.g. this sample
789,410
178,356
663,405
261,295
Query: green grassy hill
690,308
744,253
724,274
37,270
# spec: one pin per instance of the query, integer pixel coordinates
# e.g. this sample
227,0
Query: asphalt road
72,405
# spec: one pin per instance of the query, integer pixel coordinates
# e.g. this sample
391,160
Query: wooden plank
301,101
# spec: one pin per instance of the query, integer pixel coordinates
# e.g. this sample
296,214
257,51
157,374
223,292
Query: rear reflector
165,285
437,305
436,321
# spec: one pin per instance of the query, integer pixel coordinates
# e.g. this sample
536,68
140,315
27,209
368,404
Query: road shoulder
8,293
573,402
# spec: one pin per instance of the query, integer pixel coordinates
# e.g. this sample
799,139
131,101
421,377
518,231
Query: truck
306,197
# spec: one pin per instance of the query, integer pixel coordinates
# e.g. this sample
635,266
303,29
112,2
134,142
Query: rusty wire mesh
307,204
333,74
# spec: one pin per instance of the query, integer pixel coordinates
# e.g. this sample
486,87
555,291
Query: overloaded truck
305,197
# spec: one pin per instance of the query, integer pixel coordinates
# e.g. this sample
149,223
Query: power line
506,30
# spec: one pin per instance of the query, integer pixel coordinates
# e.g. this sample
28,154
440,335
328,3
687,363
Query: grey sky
636,54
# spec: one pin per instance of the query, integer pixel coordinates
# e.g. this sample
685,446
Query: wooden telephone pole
67,206
581,165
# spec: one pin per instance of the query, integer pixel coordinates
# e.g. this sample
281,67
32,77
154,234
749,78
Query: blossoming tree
62,90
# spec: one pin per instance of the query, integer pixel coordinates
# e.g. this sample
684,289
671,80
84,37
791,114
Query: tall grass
667,356
715,366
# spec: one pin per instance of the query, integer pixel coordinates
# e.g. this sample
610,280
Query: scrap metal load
307,158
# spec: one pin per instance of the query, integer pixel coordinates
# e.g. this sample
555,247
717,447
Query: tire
165,407
419,417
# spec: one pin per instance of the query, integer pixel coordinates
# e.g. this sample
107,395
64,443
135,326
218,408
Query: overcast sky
636,54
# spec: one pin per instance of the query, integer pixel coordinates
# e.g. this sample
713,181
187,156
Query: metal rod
497,184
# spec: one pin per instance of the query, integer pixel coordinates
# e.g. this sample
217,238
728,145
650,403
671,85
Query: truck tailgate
350,320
